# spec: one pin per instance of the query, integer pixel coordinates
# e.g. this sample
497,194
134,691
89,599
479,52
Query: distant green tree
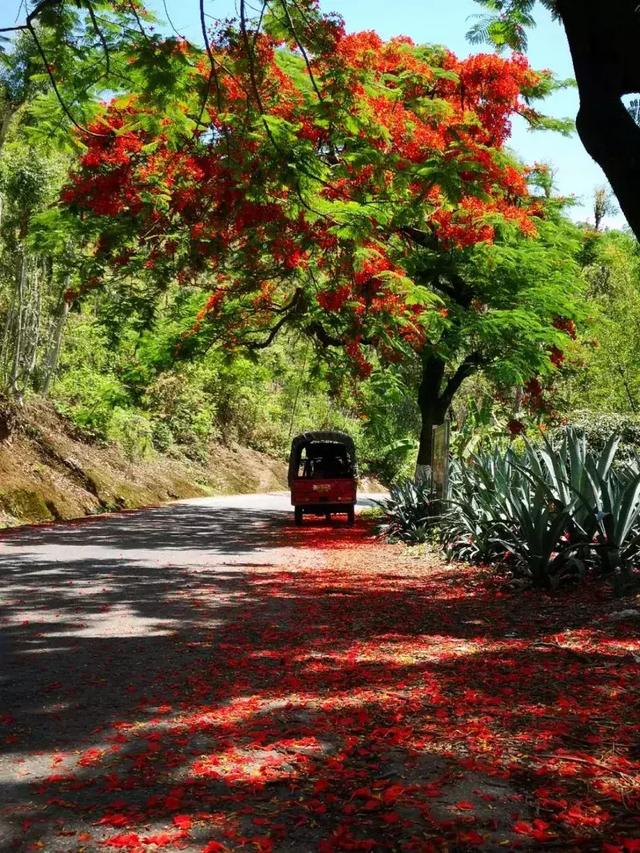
609,380
62,57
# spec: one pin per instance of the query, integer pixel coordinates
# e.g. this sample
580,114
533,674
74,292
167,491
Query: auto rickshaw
323,475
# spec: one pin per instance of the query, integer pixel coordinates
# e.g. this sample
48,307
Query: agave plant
604,497
618,520
408,512
572,472
557,510
540,525
474,524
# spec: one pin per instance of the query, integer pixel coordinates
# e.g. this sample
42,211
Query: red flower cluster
304,185
556,356
354,351
566,325
333,300
516,427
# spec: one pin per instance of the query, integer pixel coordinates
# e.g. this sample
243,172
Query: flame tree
356,189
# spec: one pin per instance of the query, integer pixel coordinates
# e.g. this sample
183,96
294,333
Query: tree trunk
433,409
52,357
21,284
35,322
434,398
5,122
603,39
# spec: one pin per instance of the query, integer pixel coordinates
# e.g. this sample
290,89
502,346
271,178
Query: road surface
206,677
96,613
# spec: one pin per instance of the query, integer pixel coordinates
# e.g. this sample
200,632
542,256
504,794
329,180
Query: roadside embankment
50,471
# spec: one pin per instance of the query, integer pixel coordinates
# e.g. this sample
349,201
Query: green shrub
598,427
181,402
162,436
133,432
87,389
89,399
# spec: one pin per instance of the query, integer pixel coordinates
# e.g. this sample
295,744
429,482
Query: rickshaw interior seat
321,455
325,464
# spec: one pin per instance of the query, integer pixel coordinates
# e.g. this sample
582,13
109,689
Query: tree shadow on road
178,527
363,703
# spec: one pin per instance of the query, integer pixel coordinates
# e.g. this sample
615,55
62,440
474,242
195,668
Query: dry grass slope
50,471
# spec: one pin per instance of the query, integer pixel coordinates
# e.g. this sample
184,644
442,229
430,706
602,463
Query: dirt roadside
49,471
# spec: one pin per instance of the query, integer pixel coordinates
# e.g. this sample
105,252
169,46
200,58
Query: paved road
89,617
197,531
109,555
205,669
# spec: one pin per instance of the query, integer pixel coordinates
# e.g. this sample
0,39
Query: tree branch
270,337
134,12
426,239
448,281
286,311
317,330
465,369
29,27
305,56
54,85
169,21
295,299
213,73
251,65
100,34
253,79
33,14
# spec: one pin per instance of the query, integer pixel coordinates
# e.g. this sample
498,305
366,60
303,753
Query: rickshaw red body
323,474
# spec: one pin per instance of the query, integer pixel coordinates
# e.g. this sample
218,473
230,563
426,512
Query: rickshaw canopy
308,439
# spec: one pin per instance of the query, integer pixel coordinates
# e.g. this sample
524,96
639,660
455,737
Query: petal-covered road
206,677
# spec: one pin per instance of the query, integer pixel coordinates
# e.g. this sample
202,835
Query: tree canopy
602,39
358,189
307,180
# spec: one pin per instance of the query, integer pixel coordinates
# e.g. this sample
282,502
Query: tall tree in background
603,205
356,189
603,39
51,76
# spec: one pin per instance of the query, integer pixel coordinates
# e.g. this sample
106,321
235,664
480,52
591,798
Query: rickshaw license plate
322,487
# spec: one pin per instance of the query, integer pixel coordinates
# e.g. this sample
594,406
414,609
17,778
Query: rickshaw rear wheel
298,516
351,516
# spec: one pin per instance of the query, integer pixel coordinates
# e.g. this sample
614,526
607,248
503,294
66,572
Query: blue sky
444,22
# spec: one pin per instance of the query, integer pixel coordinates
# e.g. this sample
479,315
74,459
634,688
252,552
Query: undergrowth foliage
407,512
551,513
